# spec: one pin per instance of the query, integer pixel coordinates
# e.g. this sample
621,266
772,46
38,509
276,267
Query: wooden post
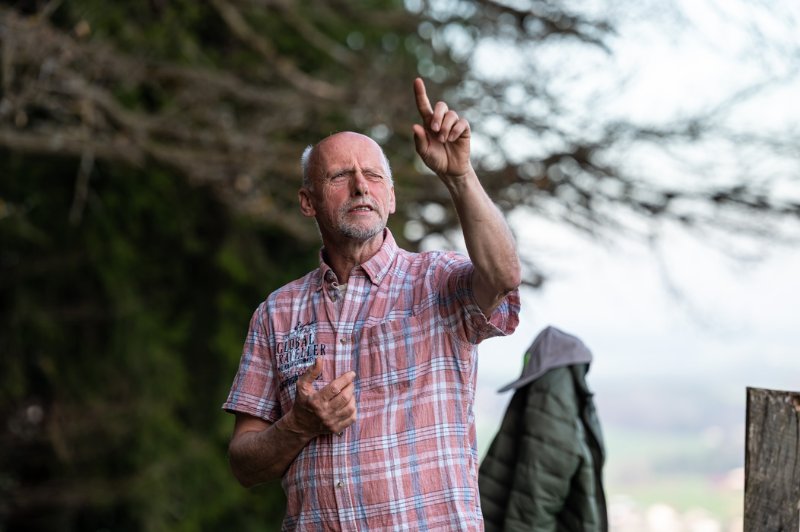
772,462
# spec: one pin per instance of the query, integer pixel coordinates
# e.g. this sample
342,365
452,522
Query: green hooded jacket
543,470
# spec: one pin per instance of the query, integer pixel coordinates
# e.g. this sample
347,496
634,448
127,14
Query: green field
683,471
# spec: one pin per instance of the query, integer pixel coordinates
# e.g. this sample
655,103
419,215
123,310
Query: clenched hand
329,410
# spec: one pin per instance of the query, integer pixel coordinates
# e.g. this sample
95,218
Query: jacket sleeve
552,483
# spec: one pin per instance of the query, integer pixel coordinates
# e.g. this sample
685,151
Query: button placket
344,346
340,459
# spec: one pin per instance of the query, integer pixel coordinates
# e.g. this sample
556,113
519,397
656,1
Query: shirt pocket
390,354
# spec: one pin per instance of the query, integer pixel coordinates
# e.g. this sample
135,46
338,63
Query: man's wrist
459,183
290,426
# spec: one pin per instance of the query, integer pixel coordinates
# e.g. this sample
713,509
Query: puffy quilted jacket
543,470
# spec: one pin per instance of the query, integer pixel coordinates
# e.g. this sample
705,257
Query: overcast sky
686,310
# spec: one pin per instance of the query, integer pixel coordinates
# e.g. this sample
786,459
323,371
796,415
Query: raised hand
443,139
329,410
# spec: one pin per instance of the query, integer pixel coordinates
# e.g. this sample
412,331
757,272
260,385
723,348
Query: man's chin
361,234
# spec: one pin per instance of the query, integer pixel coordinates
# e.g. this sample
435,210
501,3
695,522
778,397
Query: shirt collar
376,267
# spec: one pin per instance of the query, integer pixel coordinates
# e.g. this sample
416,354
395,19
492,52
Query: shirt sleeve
460,310
254,391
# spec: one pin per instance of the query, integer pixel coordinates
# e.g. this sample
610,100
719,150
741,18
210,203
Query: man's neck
345,254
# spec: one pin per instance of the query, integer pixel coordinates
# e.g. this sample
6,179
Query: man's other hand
327,411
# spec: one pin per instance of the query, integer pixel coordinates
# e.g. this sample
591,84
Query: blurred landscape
670,388
672,448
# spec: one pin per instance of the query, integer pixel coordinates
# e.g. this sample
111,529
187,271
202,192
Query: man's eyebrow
351,169
338,171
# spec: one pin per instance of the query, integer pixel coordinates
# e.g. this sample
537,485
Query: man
357,381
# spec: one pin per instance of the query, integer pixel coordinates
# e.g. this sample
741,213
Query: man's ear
306,202
391,201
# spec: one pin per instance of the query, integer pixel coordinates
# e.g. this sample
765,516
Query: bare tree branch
298,79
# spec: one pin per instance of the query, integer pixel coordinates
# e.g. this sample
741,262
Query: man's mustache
363,202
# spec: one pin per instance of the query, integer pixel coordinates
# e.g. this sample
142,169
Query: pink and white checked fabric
408,326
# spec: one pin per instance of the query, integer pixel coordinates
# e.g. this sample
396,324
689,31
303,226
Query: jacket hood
552,348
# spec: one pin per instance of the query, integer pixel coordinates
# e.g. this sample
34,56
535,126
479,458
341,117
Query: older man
357,381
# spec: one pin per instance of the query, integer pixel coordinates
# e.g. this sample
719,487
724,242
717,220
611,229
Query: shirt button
339,484
342,340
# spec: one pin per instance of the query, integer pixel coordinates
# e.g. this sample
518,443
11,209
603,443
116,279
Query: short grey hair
305,164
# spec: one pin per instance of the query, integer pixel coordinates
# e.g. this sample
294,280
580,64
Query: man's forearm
489,241
261,455
260,451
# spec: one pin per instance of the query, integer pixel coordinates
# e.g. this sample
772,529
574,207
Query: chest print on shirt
297,351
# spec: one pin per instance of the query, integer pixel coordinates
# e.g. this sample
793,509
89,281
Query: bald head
313,160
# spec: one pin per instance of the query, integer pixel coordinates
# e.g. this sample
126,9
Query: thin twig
81,186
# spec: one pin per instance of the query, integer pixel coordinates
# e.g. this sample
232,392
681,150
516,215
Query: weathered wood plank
772,461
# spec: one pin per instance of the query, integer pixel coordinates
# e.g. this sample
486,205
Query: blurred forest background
148,175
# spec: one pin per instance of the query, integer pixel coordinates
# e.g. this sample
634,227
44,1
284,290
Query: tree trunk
772,461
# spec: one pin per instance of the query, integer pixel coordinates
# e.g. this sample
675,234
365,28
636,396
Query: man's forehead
345,146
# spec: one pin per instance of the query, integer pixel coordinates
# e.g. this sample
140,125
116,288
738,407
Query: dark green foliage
124,300
120,334
175,30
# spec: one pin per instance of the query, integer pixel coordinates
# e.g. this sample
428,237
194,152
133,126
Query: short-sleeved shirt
408,325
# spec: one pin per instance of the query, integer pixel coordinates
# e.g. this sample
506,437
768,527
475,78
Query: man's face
351,193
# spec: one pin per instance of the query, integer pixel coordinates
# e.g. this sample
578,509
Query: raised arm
443,143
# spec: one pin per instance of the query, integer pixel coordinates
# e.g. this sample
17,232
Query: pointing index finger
423,103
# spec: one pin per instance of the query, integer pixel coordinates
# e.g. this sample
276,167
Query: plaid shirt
408,326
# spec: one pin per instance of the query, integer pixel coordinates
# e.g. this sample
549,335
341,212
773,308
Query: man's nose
360,184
